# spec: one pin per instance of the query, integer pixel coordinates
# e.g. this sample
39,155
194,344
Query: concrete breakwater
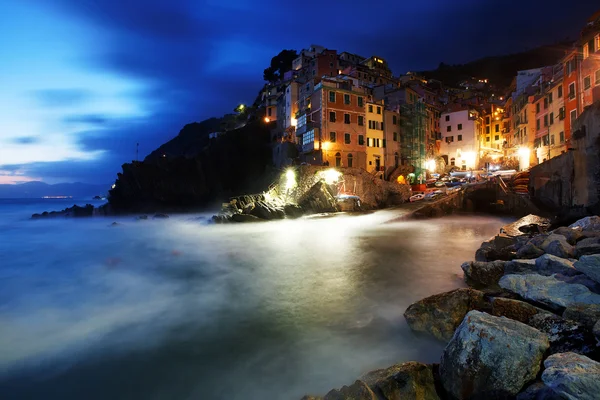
527,327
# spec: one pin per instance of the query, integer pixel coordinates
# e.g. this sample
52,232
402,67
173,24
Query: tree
280,64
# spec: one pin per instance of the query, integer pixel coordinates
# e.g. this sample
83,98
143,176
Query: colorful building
461,128
571,91
375,136
589,45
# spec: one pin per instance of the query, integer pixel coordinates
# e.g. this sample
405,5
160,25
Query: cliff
192,172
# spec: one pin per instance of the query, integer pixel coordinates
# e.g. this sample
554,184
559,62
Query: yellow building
375,136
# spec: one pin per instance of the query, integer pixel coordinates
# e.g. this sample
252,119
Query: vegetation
280,64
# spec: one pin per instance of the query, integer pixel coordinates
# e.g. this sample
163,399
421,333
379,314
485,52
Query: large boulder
587,224
483,274
587,246
590,266
491,357
440,314
573,235
572,376
548,290
410,380
514,309
564,335
549,264
319,199
529,250
357,391
520,266
557,245
585,314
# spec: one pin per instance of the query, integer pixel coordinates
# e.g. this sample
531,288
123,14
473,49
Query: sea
182,309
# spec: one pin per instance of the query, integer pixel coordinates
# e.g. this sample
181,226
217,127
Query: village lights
430,165
330,176
113,186
469,157
267,120
325,145
290,179
294,122
524,156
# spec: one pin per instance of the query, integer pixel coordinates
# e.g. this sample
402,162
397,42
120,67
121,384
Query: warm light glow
290,179
242,107
325,145
430,165
294,122
267,119
523,152
469,157
497,118
330,176
524,155
113,186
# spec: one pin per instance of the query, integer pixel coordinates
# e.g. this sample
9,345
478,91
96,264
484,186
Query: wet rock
538,240
585,314
440,314
587,224
319,199
572,235
528,220
514,309
160,216
596,331
489,253
410,380
529,250
483,274
245,218
587,246
357,391
293,211
247,209
538,391
580,279
520,266
564,335
572,376
491,357
590,266
549,264
557,245
548,290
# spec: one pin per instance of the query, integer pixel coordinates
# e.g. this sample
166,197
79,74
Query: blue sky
81,82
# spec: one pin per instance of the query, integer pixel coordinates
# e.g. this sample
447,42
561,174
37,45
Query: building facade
375,137
460,138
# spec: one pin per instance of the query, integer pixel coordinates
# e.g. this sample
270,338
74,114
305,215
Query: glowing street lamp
267,120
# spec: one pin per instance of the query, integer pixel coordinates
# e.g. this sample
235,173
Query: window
395,136
537,124
497,128
597,77
369,142
332,97
561,137
460,127
597,39
346,118
396,160
370,108
378,110
382,126
361,120
459,138
332,137
308,138
395,120
551,118
330,65
572,91
448,128
350,160
546,120
537,108
561,114
550,98
360,101
586,51
452,161
347,138
559,94
370,124
269,110
487,130
587,82
545,103
487,120
552,140
338,160
487,138
361,140
346,99
497,137
331,116
573,116
447,118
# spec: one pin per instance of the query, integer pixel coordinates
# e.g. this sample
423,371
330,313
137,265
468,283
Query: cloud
26,140
90,119
61,97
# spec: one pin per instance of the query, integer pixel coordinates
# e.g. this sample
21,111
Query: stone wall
551,182
586,142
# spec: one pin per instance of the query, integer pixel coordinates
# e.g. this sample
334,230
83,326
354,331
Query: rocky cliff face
192,177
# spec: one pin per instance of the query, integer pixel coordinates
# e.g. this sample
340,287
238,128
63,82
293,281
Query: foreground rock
590,266
483,274
591,223
491,357
549,291
75,211
572,376
440,314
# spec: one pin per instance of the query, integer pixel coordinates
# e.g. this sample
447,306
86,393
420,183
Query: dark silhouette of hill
500,70
38,189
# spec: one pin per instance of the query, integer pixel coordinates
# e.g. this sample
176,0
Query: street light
267,120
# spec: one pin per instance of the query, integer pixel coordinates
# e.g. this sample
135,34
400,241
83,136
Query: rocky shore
526,328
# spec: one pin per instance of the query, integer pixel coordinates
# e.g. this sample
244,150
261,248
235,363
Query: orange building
589,46
571,89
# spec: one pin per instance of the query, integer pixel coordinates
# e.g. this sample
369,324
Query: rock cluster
528,327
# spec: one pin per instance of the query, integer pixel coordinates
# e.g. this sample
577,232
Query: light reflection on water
175,309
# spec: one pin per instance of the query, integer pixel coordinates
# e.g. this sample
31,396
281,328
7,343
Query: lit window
586,51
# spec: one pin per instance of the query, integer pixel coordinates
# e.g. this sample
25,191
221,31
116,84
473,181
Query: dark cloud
201,57
26,140
92,119
61,97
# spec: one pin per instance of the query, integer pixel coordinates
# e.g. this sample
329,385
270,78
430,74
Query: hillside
500,70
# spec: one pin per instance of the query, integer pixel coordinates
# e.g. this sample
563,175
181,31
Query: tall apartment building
589,46
375,136
460,137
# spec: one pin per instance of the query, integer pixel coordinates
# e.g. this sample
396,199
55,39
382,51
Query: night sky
82,81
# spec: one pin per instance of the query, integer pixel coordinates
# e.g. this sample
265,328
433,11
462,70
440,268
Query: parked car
416,197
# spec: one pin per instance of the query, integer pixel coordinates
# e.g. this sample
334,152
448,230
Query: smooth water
177,309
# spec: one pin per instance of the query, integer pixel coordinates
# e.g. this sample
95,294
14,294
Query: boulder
538,240
572,235
580,279
440,314
489,253
557,245
520,266
590,266
537,391
245,218
319,199
247,208
410,380
587,224
596,331
564,335
572,376
293,211
491,357
514,309
529,250
357,391
587,246
483,274
585,314
549,264
548,290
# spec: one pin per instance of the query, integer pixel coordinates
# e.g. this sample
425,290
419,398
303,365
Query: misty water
178,309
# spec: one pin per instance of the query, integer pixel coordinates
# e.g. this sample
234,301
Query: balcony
300,130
